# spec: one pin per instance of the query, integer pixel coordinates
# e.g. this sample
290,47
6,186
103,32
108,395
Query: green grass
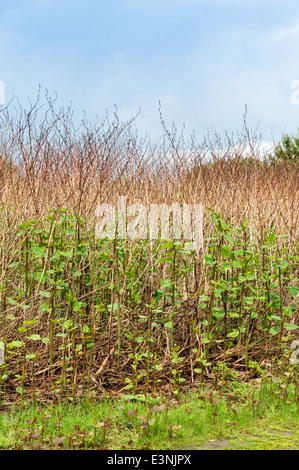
240,419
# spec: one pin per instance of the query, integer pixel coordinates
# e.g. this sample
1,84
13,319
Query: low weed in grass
155,422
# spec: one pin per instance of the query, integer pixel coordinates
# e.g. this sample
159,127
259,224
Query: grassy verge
245,419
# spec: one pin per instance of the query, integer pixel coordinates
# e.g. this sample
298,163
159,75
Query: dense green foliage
287,150
80,312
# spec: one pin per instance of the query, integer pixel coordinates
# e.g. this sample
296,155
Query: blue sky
203,59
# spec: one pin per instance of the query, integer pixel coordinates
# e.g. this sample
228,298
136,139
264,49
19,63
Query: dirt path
285,440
